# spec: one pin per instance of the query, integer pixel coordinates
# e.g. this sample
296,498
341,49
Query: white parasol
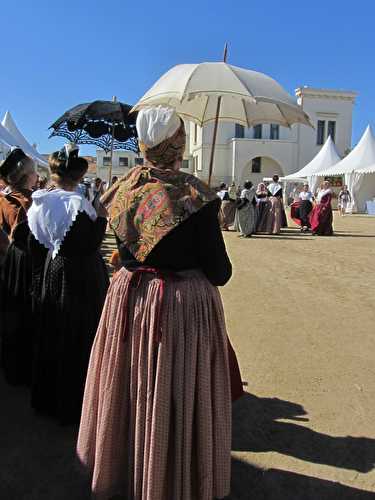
211,91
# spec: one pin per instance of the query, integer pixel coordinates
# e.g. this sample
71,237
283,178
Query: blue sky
58,54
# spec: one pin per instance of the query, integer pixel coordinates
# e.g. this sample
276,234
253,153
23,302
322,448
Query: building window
195,133
138,161
331,130
258,131
274,131
106,161
256,165
185,163
197,166
320,132
239,131
123,161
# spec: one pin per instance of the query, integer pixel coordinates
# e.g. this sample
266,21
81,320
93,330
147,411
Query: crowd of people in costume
261,211
143,362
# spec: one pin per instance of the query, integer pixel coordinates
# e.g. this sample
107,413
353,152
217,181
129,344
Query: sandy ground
300,312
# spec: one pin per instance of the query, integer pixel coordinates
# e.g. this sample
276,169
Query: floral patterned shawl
145,205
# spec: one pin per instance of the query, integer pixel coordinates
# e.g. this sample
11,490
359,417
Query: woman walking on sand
245,219
321,215
300,210
344,200
156,418
227,209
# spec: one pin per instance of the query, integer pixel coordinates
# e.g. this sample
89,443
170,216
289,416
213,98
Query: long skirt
321,219
270,220
300,212
68,317
17,324
156,418
284,218
227,213
263,214
245,219
304,212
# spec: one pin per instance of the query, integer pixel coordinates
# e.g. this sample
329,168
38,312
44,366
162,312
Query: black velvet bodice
196,243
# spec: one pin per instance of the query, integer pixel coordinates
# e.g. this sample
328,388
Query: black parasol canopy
106,124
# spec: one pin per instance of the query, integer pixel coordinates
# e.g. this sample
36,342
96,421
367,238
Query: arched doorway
258,168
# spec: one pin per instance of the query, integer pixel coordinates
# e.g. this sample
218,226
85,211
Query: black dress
16,320
69,293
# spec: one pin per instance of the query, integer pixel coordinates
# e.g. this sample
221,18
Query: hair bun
66,154
12,161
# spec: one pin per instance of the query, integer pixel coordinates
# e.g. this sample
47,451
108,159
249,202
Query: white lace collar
322,193
274,187
52,214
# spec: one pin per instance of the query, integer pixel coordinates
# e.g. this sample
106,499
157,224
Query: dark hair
248,185
275,178
223,185
16,167
69,169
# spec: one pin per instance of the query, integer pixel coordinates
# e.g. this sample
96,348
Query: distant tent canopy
327,157
6,141
10,136
359,157
354,167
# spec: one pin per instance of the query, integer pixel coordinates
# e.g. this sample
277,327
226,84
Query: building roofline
323,92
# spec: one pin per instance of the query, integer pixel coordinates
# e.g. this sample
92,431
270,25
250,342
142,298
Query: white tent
327,157
362,156
6,141
19,140
364,182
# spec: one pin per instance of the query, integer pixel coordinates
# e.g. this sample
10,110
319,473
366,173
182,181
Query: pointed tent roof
6,139
9,124
360,157
326,157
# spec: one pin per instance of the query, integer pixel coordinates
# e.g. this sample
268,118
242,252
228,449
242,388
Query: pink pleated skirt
156,417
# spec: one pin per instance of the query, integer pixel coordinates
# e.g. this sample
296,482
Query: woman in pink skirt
156,418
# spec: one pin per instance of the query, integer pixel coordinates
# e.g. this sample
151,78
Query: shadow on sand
256,428
37,458
252,483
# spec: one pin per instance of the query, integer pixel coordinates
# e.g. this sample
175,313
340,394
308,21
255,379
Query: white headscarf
155,124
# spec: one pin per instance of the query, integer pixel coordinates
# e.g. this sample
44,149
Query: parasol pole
114,99
211,165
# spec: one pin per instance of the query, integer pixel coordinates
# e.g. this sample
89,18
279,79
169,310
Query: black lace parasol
106,124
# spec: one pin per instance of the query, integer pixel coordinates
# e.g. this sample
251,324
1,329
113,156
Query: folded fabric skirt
156,418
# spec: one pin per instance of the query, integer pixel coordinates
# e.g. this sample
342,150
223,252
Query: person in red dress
321,215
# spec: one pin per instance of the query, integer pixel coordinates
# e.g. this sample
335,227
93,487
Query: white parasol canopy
248,97
216,91
19,140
